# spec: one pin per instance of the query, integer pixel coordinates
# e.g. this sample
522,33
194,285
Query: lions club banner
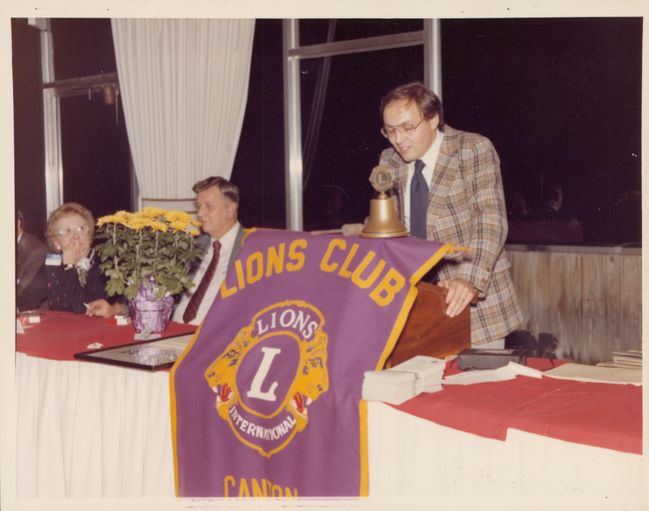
266,399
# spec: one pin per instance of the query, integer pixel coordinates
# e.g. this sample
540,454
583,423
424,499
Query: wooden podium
429,331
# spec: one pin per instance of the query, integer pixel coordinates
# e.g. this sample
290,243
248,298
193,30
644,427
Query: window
348,143
561,101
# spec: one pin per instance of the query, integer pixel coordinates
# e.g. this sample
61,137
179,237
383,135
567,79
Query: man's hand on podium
460,294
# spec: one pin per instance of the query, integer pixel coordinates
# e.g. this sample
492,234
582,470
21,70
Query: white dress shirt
430,159
227,245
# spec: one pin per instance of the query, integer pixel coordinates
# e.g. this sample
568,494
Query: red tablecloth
599,414
60,335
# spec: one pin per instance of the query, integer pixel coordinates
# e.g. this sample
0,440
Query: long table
87,429
93,430
522,437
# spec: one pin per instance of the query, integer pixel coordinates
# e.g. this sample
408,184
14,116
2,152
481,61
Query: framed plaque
151,355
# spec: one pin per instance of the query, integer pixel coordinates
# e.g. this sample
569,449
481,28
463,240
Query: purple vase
150,314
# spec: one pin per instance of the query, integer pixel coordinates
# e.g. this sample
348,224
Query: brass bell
383,221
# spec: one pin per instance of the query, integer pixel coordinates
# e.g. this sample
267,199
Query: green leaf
114,287
131,291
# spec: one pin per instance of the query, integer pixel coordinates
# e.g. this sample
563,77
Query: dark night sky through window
559,98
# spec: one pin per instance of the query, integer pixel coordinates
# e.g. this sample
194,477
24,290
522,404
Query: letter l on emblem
260,375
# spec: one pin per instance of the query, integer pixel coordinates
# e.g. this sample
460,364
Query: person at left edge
74,280
217,209
31,289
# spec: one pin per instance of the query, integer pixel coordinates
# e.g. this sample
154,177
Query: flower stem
137,256
115,259
155,258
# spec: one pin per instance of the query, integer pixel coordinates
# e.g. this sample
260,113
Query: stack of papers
631,359
598,373
404,381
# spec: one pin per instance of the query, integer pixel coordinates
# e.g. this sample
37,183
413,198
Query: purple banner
266,400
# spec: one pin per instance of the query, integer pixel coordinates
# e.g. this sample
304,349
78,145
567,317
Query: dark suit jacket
205,240
31,289
238,241
466,207
65,292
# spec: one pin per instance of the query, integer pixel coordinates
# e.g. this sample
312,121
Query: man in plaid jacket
465,206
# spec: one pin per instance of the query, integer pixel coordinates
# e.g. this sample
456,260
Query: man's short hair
227,188
426,100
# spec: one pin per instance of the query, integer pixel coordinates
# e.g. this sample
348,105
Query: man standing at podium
449,189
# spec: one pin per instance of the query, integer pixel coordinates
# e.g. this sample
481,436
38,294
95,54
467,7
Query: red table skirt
60,335
598,414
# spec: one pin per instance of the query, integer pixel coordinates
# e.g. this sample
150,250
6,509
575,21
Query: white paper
404,381
389,377
508,372
582,372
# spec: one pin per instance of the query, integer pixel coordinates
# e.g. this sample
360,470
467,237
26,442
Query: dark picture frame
155,355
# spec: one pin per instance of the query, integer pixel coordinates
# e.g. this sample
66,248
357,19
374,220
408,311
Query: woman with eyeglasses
74,281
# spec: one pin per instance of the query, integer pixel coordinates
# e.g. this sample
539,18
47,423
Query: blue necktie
418,202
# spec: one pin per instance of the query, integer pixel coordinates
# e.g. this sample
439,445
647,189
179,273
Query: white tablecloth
94,430
91,430
415,457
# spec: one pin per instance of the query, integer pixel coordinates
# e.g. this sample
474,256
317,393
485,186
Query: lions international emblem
270,373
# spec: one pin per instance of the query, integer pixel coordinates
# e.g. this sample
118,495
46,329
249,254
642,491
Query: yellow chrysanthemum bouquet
153,248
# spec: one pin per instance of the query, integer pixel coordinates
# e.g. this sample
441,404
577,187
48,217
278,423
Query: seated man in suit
31,288
217,205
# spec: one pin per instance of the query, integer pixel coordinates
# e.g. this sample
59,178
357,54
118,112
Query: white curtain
184,85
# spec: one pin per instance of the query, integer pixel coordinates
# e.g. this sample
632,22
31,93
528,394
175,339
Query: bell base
395,234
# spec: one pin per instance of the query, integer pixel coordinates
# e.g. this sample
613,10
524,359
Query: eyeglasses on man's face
405,129
77,229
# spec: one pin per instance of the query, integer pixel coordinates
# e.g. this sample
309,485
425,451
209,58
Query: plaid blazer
466,207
